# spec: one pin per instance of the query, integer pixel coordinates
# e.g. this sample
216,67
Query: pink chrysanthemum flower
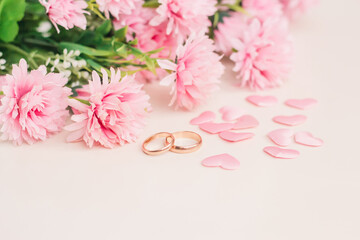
295,8
183,17
196,72
264,53
33,105
66,13
149,37
116,114
232,26
117,7
2,81
228,32
263,9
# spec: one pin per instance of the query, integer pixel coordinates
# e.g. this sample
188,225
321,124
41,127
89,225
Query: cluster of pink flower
109,113
34,106
261,40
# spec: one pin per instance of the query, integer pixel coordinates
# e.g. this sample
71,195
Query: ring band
189,148
166,148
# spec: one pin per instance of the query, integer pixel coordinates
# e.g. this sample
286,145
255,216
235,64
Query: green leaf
154,51
151,4
134,42
216,19
90,38
235,8
9,30
150,63
94,65
11,11
35,8
122,51
121,34
74,92
104,28
136,52
85,50
222,15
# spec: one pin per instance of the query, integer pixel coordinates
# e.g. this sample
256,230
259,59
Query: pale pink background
59,191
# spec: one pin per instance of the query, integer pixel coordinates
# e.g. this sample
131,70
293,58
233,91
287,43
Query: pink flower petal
262,101
166,64
282,153
290,120
230,113
33,104
307,139
198,72
166,81
117,113
301,103
224,161
214,128
235,137
204,117
66,13
245,122
281,137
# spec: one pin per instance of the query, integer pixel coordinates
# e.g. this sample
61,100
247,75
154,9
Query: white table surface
59,191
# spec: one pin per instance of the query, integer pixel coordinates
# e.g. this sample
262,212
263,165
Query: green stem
1,93
81,100
40,57
40,43
20,51
93,6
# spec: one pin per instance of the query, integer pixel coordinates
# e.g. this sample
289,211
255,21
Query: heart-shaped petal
301,103
282,153
262,101
245,122
290,120
204,117
215,128
235,137
224,161
307,139
281,137
230,113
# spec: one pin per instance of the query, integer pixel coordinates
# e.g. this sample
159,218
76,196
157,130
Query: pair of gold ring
169,144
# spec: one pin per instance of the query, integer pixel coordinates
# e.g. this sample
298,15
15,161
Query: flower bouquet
90,58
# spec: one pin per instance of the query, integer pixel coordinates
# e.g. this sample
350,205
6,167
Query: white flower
67,64
44,28
2,62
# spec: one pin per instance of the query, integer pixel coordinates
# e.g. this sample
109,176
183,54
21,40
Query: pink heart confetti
282,153
215,128
246,122
204,117
301,103
235,137
290,120
281,137
224,161
230,113
262,101
307,139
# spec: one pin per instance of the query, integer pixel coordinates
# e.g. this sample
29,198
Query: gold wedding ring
189,148
169,144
